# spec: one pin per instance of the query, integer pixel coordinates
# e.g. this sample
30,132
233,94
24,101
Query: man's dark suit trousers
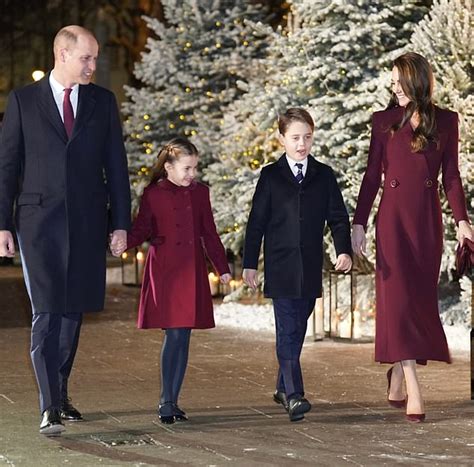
54,340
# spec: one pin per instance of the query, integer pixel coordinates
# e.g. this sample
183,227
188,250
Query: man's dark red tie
67,112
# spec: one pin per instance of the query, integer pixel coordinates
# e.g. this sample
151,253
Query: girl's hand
118,242
226,278
358,239
464,231
249,276
343,263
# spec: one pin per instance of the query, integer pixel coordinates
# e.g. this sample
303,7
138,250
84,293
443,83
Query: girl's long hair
171,152
416,81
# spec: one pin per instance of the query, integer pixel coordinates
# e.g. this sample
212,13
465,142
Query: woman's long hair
171,152
416,80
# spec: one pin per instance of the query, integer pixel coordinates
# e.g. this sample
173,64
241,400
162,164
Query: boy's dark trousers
291,320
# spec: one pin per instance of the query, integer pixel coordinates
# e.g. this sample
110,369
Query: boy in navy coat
294,199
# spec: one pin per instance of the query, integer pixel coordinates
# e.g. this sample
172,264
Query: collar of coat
167,185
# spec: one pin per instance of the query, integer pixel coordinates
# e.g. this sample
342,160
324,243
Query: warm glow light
124,255
213,277
37,74
140,256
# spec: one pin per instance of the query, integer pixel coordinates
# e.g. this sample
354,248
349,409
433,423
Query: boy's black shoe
280,398
297,408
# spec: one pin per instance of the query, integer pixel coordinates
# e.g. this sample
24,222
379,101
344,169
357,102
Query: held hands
343,263
118,242
249,276
225,278
7,245
359,242
464,231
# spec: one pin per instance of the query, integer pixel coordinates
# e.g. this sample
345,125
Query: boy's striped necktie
299,175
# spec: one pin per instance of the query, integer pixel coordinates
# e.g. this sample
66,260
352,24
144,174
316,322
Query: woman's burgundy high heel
415,417
397,404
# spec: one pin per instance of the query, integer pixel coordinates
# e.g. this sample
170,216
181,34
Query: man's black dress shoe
51,424
69,412
297,408
280,398
166,413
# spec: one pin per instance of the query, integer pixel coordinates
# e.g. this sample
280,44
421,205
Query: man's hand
7,245
249,276
343,263
118,242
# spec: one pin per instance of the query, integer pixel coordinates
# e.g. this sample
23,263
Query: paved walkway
227,394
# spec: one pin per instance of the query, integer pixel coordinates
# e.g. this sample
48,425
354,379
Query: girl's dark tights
174,359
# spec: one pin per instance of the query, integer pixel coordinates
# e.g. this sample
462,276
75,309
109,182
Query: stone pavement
227,395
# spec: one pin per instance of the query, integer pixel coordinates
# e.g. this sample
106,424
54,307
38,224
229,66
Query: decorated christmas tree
188,76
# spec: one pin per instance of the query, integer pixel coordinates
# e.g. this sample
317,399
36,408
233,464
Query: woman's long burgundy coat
409,236
178,222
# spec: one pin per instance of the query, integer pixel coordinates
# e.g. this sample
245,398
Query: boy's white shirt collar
294,169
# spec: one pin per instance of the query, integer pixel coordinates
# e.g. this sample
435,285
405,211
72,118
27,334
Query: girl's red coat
179,224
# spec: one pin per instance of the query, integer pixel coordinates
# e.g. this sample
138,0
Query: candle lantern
349,313
133,262
316,326
214,284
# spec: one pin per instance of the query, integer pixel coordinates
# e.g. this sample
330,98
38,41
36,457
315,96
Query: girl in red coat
175,216
412,141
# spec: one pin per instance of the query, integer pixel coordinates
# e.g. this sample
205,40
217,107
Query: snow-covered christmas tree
188,74
323,63
444,37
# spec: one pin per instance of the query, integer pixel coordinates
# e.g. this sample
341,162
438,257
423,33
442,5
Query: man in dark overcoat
63,184
294,199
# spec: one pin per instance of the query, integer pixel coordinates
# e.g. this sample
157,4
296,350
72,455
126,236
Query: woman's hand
464,231
358,239
249,276
343,263
226,278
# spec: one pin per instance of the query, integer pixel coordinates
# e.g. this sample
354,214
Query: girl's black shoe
179,415
166,413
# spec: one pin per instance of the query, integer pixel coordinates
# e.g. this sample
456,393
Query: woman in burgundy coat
175,215
411,142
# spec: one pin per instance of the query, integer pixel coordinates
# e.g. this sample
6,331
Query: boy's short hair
295,114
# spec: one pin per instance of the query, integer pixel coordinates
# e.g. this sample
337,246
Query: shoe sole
167,420
72,419
53,430
297,418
